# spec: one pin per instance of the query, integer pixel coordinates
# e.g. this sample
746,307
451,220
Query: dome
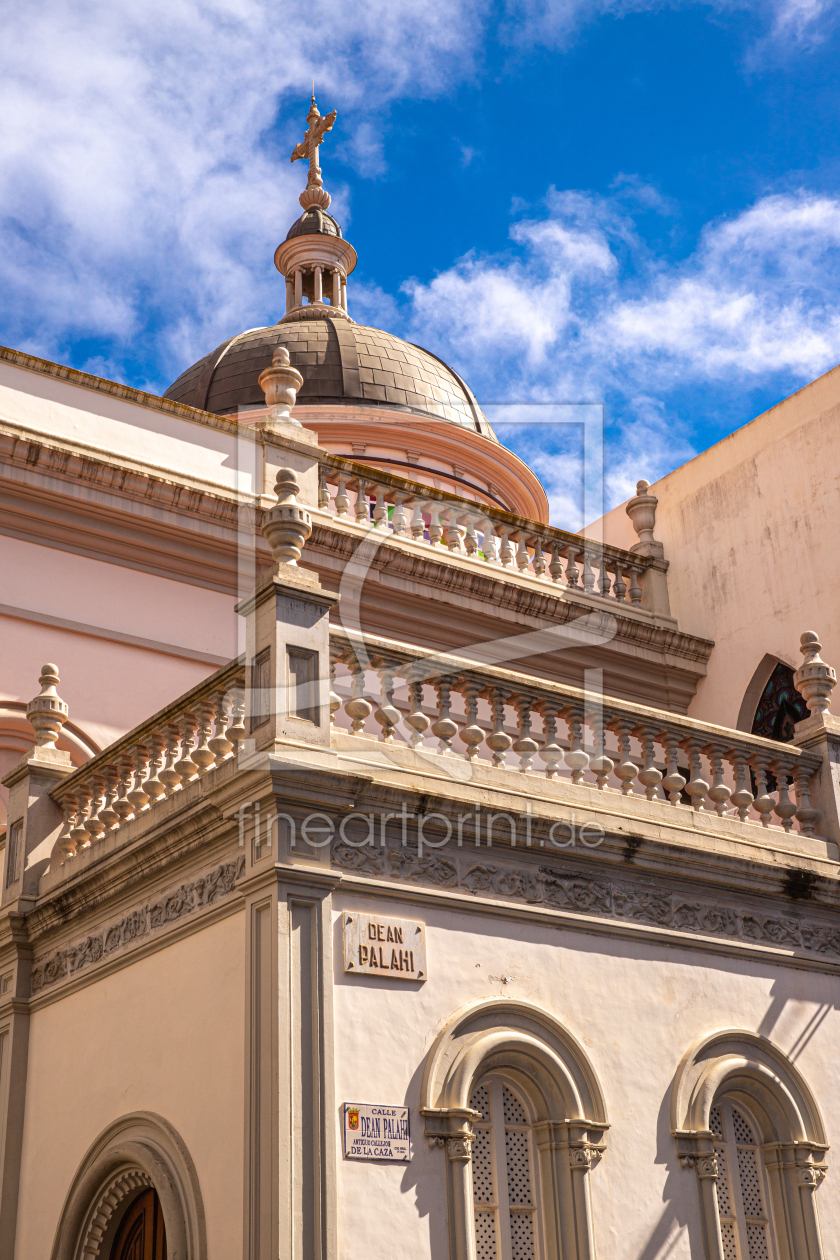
342,364
312,221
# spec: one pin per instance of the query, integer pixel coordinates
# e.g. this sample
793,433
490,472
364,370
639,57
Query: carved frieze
206,890
602,897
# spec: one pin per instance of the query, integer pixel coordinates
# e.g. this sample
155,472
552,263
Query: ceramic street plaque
376,945
374,1132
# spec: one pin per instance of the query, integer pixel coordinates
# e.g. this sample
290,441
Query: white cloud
579,308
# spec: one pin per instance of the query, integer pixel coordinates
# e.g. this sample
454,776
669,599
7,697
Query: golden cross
313,137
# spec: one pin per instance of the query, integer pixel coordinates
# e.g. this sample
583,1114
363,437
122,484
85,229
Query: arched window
780,706
504,1192
742,1193
513,1100
745,1120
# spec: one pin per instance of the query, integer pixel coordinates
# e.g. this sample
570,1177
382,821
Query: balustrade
490,716
434,518
185,742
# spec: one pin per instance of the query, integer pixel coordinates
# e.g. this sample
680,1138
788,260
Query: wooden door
141,1235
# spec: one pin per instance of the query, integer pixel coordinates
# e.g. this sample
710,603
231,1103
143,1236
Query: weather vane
314,194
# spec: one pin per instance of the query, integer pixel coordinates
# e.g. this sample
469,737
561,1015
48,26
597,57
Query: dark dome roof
312,221
341,363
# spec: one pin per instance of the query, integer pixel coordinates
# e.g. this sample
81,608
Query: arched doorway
141,1235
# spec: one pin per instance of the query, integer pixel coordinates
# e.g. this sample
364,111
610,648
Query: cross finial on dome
314,194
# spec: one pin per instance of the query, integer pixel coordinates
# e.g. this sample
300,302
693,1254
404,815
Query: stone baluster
342,498
323,488
490,542
719,793
186,767
576,758
452,535
697,787
236,731
220,745
742,797
588,575
418,524
357,708
79,833
806,815
619,585
169,775
203,754
649,776
153,787
399,520
505,550
523,558
764,803
526,746
674,782
65,843
626,770
551,752
471,538
604,583
435,527
635,589
387,715
416,719
572,571
600,765
498,741
94,823
555,568
471,733
784,808
444,728
122,804
138,796
107,813
362,506
380,511
538,562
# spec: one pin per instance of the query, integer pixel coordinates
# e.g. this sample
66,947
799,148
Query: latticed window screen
503,1175
745,1226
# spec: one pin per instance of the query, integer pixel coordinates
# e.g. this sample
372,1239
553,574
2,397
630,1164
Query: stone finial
47,713
280,384
814,679
642,512
287,525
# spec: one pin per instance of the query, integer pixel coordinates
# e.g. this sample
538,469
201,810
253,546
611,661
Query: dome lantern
314,259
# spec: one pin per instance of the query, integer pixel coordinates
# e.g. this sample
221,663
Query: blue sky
630,202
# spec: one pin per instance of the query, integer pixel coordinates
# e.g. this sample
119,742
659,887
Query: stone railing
481,533
182,743
520,724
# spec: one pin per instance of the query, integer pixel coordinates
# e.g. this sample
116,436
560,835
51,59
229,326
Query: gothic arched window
742,1192
504,1190
779,707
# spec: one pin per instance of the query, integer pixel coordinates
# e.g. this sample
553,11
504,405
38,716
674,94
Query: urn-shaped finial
47,713
814,679
280,384
642,512
287,525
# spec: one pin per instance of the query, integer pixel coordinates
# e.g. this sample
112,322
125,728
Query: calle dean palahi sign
373,1131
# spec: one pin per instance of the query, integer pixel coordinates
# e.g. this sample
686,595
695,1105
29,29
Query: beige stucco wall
164,1035
751,530
634,1007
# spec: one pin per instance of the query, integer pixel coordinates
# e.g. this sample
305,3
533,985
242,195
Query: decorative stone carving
287,525
280,384
814,680
47,713
206,890
460,1148
642,513
542,885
